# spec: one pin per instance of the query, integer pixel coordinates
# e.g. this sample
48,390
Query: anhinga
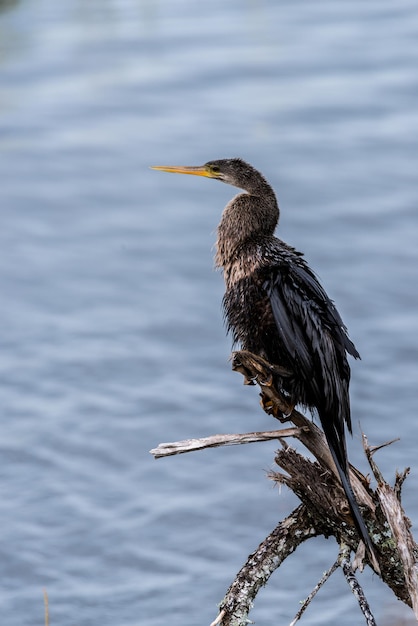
276,308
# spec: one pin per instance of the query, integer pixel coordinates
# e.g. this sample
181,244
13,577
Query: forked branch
323,510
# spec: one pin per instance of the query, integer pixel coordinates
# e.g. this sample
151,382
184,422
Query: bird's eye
215,169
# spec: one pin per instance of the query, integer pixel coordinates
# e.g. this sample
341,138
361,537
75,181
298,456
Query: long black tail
339,454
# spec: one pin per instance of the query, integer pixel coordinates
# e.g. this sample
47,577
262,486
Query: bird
275,307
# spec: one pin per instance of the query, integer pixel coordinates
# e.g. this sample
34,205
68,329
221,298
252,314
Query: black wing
312,335
314,338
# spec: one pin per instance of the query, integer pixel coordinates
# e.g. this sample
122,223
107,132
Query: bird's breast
242,266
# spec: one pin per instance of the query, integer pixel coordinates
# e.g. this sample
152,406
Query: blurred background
111,331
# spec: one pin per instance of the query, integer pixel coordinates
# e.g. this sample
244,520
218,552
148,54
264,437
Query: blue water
111,336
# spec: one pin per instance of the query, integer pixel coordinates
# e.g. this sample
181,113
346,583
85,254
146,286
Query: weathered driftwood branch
324,509
260,565
215,441
390,502
314,591
355,586
386,520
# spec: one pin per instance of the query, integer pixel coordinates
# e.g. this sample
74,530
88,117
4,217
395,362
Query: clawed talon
256,370
267,405
267,382
284,417
272,408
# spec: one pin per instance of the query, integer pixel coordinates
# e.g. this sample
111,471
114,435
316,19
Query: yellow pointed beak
200,170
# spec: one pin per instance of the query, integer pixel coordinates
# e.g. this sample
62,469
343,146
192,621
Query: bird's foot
282,411
265,382
250,377
256,369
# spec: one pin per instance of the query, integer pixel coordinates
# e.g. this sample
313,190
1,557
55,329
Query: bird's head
234,172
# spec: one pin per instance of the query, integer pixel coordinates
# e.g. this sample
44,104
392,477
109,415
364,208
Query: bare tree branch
214,441
323,510
314,591
282,542
355,586
400,526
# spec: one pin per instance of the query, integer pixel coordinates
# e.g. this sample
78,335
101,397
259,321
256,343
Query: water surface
111,329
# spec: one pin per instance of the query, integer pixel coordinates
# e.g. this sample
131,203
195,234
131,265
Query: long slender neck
247,219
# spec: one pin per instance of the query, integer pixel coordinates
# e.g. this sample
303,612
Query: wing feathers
313,337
